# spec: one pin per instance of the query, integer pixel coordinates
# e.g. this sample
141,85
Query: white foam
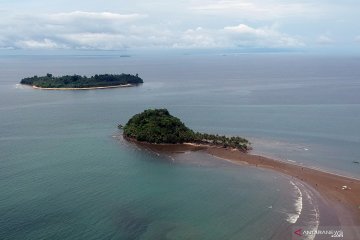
293,217
314,225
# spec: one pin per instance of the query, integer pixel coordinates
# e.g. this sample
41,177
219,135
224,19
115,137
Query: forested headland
159,126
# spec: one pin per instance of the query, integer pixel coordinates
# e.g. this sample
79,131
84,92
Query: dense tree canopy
158,126
77,81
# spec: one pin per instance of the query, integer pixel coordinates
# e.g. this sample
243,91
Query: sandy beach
343,193
88,88
328,184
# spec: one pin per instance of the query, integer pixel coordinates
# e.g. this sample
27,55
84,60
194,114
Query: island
158,131
74,82
158,126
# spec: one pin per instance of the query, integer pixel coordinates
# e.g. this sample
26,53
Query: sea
66,173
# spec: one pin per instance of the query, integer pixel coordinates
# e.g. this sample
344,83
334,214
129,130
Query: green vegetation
158,126
77,81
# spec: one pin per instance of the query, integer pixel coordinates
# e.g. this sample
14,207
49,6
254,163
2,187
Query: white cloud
77,16
324,40
66,22
255,9
236,36
103,41
113,31
39,44
95,25
78,29
244,35
199,38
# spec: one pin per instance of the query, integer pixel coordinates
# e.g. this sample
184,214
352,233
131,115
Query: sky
330,25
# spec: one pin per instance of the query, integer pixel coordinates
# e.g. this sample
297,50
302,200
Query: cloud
39,44
200,38
105,41
357,39
246,30
114,31
254,9
80,21
236,36
74,30
72,24
324,40
98,16
245,35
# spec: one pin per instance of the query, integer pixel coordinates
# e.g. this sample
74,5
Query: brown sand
346,202
327,184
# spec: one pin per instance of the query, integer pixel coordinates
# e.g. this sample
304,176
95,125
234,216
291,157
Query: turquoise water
65,174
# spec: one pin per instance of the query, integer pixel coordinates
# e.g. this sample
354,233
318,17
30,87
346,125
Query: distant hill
77,81
159,126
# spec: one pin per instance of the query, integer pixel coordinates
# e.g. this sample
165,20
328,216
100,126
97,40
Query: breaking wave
293,217
312,214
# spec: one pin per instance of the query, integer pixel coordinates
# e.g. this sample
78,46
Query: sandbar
341,191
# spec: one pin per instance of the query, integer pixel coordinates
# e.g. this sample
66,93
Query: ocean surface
67,174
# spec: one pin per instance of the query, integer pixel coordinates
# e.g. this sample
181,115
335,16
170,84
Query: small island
74,82
158,126
159,131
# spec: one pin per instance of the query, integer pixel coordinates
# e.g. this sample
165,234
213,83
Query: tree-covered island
81,82
159,126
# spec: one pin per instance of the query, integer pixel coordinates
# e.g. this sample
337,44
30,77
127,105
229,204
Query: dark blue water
64,176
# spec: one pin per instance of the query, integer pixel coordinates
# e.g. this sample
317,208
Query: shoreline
345,202
328,184
87,88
